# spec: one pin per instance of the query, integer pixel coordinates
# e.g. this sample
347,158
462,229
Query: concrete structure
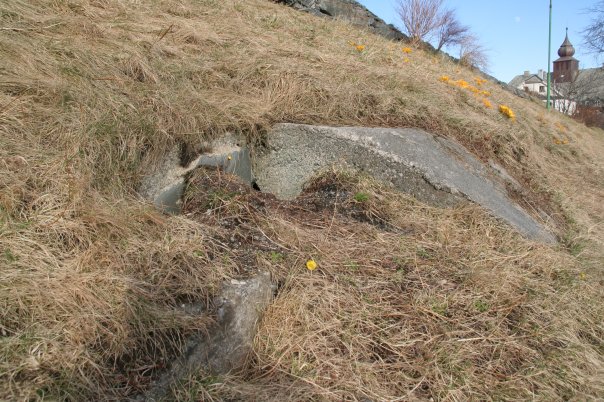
240,306
434,169
165,185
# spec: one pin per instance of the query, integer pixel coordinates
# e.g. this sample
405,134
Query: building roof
590,83
567,50
534,80
521,79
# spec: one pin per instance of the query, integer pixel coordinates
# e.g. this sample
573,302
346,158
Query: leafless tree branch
421,18
472,53
594,33
451,31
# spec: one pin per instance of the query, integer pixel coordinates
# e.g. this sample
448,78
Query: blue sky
514,32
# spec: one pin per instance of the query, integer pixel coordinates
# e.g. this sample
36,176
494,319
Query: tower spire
566,49
566,67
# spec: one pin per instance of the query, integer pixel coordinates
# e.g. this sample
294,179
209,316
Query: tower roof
566,49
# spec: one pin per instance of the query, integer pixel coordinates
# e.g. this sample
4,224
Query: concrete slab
164,187
241,304
435,170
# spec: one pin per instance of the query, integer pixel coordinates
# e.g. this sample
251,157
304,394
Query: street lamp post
549,58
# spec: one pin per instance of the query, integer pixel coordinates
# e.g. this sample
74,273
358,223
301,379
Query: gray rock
435,170
503,174
348,10
241,304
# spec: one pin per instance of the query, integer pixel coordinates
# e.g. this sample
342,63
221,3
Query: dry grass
408,302
93,92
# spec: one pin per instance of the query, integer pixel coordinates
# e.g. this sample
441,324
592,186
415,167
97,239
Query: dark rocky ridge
348,10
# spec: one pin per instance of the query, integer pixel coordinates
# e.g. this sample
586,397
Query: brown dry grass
93,92
409,301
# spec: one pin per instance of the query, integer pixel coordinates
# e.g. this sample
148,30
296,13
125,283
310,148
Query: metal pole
549,58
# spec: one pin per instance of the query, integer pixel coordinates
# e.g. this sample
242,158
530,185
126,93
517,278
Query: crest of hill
93,93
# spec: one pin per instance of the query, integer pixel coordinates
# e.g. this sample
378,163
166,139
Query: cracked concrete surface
435,170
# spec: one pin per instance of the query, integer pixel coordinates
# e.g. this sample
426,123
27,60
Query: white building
536,84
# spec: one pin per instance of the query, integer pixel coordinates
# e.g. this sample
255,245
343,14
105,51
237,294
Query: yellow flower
487,103
582,276
485,93
351,43
462,84
311,265
444,78
406,60
407,50
360,48
560,127
479,81
506,111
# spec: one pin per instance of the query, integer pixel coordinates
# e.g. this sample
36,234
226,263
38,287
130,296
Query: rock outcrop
348,10
435,170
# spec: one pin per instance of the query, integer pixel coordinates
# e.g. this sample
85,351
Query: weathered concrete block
165,186
435,170
241,304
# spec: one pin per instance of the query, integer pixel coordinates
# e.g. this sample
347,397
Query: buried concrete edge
225,348
165,186
435,170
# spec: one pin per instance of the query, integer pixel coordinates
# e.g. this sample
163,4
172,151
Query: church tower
566,68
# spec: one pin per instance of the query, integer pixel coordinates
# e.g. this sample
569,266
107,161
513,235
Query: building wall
535,88
565,106
566,70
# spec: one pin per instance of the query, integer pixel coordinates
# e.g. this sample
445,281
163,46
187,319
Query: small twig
28,29
5,108
106,79
166,31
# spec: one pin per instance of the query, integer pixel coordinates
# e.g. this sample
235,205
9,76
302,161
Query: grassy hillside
452,305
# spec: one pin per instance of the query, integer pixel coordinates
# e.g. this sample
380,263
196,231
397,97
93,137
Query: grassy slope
93,92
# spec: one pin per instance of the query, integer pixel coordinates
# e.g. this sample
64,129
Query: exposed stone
164,187
348,10
503,174
225,348
435,170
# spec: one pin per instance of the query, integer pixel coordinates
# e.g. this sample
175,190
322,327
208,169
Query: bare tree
472,53
594,33
421,18
568,96
424,18
451,31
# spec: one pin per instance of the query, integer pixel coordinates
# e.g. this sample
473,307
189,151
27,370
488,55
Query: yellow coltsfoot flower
311,265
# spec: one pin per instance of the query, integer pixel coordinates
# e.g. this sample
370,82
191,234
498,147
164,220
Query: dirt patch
217,198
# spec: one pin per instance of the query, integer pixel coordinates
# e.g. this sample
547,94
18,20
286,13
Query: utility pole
549,58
